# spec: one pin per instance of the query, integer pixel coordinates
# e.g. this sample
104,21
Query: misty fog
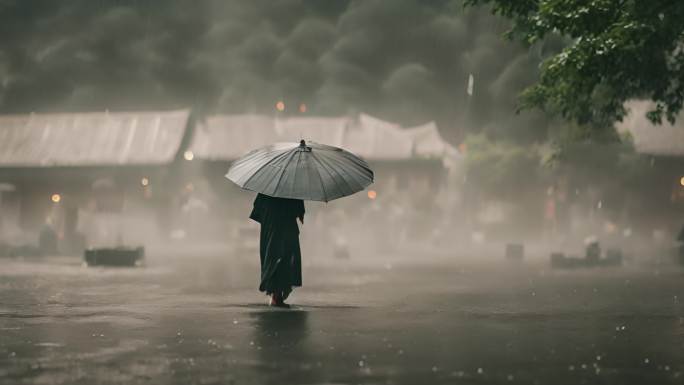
495,245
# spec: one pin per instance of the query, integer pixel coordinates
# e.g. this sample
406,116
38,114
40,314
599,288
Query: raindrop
400,351
434,369
480,371
361,364
510,377
584,366
646,361
667,368
235,322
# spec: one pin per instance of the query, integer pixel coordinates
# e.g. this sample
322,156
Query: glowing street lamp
145,181
372,194
188,155
56,198
681,181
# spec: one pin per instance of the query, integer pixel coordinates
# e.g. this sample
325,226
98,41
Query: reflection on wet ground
185,321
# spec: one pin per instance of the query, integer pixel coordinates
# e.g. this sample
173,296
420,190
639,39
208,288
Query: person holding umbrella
281,259
284,175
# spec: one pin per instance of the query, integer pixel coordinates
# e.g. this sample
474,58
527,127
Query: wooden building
63,168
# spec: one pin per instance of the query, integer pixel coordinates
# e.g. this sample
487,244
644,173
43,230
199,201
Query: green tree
618,50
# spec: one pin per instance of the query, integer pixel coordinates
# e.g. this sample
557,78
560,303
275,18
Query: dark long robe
281,259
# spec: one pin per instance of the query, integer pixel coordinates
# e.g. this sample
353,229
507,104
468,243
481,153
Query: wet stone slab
190,321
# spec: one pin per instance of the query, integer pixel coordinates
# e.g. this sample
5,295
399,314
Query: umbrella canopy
312,171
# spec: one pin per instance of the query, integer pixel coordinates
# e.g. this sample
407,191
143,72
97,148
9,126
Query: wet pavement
193,319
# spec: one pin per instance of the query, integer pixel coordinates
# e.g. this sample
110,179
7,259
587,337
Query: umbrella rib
352,167
282,171
244,164
294,176
320,178
327,168
360,175
262,166
358,164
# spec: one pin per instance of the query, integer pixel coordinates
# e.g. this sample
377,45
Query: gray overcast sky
402,60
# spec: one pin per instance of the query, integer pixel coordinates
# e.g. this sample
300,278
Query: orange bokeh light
280,106
463,148
302,108
372,194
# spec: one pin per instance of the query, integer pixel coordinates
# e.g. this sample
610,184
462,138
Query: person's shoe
281,304
277,301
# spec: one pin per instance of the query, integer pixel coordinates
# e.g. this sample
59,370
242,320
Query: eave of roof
91,138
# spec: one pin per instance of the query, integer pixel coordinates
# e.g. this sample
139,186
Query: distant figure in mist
281,259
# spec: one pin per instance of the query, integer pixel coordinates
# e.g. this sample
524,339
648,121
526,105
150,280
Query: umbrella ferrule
303,146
